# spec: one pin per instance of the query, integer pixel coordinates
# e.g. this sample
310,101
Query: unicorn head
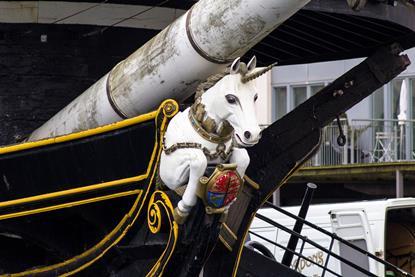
232,99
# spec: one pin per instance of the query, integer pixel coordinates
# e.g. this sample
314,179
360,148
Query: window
377,104
316,88
412,112
300,95
283,102
280,102
412,95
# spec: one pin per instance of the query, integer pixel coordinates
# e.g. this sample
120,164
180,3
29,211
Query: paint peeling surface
174,62
165,67
89,110
225,30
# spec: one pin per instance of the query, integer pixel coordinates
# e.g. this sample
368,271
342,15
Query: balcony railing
368,141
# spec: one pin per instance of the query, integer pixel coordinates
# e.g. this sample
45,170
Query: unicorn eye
232,99
255,97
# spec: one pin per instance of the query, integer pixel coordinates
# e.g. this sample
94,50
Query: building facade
380,133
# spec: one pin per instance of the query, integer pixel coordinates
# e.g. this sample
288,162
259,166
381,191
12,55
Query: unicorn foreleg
241,158
197,167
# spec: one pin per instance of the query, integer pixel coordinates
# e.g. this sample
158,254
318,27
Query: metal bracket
341,139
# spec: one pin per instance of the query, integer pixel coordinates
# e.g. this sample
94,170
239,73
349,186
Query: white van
384,228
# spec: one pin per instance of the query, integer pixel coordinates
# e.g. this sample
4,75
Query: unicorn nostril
247,135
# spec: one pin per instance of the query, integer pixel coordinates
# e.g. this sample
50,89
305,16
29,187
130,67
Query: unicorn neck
208,126
207,100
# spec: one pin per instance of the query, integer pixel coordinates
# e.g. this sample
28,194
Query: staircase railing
328,251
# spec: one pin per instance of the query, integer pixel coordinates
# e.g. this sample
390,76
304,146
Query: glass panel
412,97
412,94
300,95
396,91
316,88
280,102
377,104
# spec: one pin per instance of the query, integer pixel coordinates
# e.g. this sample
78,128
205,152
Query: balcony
377,152
367,141
377,160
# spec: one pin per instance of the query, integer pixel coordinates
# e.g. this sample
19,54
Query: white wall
326,72
318,72
264,102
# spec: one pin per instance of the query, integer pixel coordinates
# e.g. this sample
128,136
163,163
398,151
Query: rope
134,15
79,12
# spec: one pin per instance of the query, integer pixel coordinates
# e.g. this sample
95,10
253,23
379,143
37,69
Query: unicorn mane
209,83
215,78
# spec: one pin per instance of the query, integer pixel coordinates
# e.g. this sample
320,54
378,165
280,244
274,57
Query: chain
220,149
196,114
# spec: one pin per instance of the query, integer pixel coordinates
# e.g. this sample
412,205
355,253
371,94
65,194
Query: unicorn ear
236,66
252,64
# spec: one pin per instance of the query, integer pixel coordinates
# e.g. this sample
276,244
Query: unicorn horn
252,76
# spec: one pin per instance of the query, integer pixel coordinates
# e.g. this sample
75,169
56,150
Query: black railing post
328,257
301,253
292,243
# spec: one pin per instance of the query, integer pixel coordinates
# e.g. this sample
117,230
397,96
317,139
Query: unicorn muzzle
249,138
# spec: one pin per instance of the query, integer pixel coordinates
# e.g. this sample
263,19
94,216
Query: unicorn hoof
179,216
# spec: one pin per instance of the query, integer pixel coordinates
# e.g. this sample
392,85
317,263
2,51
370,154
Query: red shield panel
224,189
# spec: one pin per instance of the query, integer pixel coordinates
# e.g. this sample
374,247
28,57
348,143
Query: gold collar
206,126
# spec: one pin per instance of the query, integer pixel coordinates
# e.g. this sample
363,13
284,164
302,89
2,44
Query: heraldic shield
221,188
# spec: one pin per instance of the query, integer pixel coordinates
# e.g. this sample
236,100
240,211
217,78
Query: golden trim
170,108
236,265
70,204
104,185
155,156
71,192
163,128
230,231
204,133
225,243
79,135
74,259
206,183
252,183
154,216
174,231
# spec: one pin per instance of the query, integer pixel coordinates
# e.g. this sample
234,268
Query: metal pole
292,243
276,198
352,146
401,143
399,184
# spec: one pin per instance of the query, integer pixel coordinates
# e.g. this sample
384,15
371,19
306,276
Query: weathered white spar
200,43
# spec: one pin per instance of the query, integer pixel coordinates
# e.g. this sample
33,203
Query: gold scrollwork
159,209
154,216
170,108
160,219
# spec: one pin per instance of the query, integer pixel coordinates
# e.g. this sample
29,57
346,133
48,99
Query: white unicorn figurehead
230,100
224,109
